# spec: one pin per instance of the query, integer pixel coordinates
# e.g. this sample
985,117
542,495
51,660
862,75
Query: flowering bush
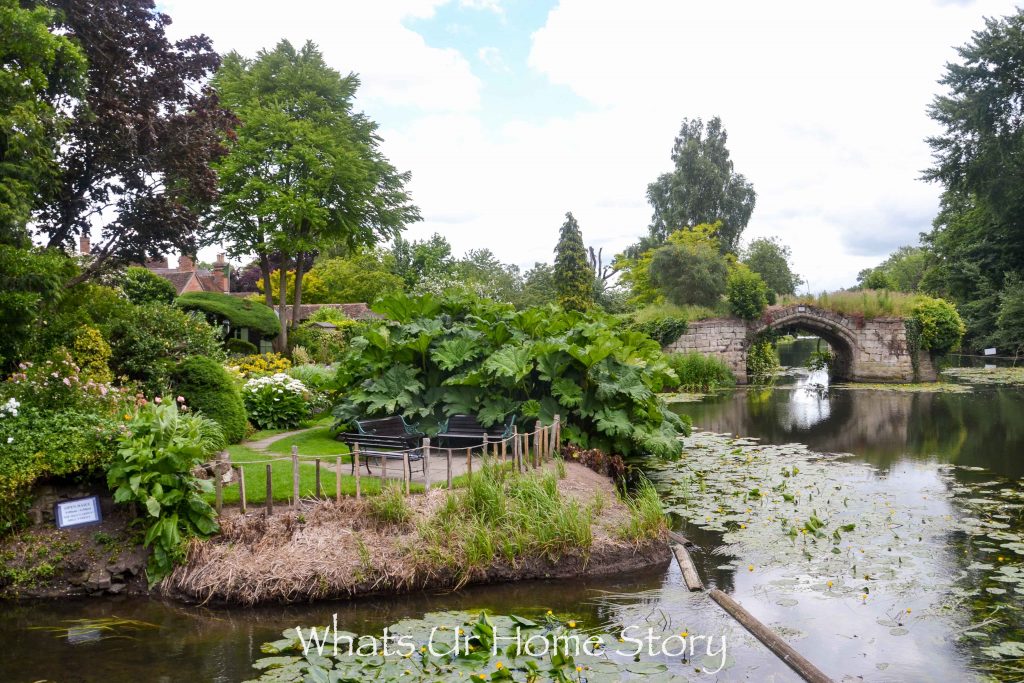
259,365
276,401
60,384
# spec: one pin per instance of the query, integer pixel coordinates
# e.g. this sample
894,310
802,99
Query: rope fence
523,450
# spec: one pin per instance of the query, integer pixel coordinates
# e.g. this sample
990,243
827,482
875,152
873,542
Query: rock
116,588
98,580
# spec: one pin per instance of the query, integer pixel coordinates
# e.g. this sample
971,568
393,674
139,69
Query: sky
509,113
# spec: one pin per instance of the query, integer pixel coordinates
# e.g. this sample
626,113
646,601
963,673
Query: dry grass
865,303
330,550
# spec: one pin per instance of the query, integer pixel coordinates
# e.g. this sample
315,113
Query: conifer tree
574,279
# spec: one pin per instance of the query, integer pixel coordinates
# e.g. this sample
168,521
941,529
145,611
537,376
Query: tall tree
770,258
977,243
702,187
135,159
415,260
305,170
574,276
38,69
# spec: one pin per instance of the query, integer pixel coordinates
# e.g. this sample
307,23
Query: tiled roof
179,280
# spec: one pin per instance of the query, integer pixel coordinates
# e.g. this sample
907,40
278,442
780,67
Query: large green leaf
510,361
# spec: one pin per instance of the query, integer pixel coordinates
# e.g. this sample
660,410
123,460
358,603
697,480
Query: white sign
77,512
990,352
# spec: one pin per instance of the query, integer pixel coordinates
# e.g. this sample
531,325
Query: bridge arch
865,350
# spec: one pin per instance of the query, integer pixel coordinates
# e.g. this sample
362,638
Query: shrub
322,345
762,362
150,340
747,293
318,377
208,388
939,325
153,471
261,364
390,507
241,347
143,286
276,401
59,384
689,271
217,306
92,353
436,357
697,372
664,330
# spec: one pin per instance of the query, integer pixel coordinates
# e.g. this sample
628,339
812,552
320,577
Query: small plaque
990,352
78,512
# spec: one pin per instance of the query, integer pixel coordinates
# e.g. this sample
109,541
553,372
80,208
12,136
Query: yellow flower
498,665
423,648
579,668
908,610
572,624
550,613
743,526
829,584
127,416
685,634
750,567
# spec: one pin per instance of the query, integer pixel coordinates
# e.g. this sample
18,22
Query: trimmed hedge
208,389
240,312
241,347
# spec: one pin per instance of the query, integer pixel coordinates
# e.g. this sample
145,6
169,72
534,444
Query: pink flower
181,399
67,381
157,400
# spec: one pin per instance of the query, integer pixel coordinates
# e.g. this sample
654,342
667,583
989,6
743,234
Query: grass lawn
325,420
319,441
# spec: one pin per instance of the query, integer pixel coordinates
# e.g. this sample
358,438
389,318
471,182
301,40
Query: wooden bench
465,431
385,438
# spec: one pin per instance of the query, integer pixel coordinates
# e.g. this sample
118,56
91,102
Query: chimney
83,244
220,259
185,264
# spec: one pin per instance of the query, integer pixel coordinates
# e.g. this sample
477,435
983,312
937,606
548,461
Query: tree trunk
268,291
299,263
282,312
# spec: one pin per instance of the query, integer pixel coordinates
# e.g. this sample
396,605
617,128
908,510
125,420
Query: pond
878,531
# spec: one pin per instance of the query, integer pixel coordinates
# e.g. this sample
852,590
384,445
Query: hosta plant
276,401
153,470
431,358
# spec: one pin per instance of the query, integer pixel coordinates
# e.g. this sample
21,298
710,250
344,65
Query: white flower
10,439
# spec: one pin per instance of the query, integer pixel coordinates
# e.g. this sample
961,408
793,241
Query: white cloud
491,57
825,106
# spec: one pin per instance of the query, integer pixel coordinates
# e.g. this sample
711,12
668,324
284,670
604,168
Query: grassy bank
867,303
562,521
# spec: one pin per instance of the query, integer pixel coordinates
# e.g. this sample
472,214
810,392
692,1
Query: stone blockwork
864,350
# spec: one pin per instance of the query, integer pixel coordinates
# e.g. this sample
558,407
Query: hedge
238,311
208,389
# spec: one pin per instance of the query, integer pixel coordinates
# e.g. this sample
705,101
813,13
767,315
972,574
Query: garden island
256,423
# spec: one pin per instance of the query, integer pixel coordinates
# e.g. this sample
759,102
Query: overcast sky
510,113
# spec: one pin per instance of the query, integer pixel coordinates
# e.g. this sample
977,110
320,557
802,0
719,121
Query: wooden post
241,487
538,428
469,462
558,434
524,451
270,490
319,489
295,477
449,468
504,443
218,485
337,480
486,444
355,461
426,465
515,448
405,470
686,566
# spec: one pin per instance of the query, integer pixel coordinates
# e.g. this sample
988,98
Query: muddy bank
328,550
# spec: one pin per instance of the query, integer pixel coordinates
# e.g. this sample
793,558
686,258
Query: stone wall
865,350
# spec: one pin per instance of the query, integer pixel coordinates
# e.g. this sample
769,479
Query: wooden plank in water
690,575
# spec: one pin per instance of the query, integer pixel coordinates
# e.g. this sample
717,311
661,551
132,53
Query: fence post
295,477
504,443
405,470
469,462
449,468
515,448
319,489
337,480
558,434
426,465
356,468
218,485
270,490
486,444
524,451
241,487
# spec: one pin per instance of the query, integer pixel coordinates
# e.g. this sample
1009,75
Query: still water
920,453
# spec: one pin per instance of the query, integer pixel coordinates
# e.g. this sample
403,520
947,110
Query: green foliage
316,377
361,277
573,276
747,293
647,520
865,303
208,389
35,62
276,401
413,261
664,330
436,357
878,279
940,326
702,187
217,306
762,362
390,507
820,359
770,259
479,274
902,271
92,354
1011,316
240,347
149,340
31,284
538,287
322,345
699,373
689,270
143,286
153,470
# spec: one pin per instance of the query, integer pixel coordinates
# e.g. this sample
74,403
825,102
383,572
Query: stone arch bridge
863,350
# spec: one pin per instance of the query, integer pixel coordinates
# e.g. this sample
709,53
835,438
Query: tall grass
315,376
646,518
501,513
700,373
390,506
668,310
867,303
